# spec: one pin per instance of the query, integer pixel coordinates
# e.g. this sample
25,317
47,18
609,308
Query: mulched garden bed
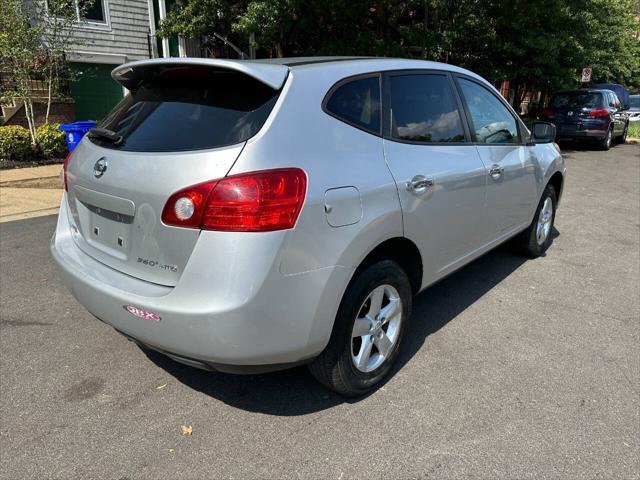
7,164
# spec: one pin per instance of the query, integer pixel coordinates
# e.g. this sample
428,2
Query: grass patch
634,130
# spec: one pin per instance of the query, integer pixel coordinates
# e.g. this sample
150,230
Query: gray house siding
124,37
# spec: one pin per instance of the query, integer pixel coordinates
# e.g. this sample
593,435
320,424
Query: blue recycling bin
75,131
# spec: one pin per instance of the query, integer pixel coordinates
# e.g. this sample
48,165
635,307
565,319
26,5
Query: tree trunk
28,113
46,116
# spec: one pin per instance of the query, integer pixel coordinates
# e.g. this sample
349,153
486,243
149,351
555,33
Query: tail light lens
600,113
250,202
64,171
546,113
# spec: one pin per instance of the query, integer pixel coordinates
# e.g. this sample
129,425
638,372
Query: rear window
577,100
357,102
634,102
189,108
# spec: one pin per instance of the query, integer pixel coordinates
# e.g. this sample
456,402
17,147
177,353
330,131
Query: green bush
15,143
51,141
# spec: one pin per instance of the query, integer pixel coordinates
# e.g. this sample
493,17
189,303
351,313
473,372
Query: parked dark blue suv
588,114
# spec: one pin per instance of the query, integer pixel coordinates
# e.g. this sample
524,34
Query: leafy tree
33,39
21,54
536,44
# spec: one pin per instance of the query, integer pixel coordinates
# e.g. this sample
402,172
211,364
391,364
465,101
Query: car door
440,178
619,118
511,166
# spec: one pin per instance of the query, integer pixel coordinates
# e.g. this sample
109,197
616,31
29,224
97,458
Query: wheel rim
545,218
376,328
609,138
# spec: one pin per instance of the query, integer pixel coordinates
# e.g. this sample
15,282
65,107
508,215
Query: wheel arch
401,250
557,180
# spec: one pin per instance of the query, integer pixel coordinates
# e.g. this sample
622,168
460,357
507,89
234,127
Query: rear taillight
250,202
546,113
600,113
64,171
186,207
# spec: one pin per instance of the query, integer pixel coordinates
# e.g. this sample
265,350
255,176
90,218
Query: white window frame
83,23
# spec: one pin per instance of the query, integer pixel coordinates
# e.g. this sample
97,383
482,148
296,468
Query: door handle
496,171
419,184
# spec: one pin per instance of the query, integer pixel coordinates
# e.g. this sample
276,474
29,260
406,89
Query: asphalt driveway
513,369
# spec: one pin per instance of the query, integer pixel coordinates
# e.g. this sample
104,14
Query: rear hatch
572,108
181,124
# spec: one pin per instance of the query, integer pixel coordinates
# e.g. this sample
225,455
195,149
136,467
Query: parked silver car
246,216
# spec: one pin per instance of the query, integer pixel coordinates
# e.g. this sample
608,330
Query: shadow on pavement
295,392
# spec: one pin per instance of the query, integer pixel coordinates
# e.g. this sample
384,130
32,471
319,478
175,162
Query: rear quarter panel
333,154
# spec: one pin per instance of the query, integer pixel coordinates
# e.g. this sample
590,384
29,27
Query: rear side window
423,109
616,101
357,102
492,121
577,100
189,108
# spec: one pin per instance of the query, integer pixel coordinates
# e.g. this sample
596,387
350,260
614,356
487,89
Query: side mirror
543,132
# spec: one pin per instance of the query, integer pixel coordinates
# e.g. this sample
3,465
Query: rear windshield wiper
105,134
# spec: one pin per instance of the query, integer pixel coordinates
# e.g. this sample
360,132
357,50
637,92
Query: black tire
607,141
334,367
623,138
528,240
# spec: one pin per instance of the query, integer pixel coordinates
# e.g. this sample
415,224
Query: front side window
492,121
423,109
357,103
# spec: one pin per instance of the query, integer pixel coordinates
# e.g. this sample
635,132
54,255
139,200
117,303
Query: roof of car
300,61
583,90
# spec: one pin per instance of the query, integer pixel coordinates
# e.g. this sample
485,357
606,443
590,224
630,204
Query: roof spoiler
272,75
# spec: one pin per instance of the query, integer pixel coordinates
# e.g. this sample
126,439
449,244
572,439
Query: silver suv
246,216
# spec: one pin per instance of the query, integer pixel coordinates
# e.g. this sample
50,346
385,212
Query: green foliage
634,130
536,44
50,140
15,143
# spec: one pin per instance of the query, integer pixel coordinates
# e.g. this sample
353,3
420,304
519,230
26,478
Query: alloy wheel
545,218
376,329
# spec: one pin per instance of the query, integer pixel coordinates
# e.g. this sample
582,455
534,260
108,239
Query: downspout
162,7
153,46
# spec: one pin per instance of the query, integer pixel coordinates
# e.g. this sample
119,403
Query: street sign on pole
586,74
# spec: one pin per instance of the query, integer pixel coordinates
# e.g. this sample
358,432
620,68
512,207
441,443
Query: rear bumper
227,311
582,134
594,129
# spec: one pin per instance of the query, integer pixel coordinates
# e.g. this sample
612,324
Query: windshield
577,100
189,109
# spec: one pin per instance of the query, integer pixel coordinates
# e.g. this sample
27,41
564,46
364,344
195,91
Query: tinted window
423,109
492,121
358,102
634,102
193,108
577,100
